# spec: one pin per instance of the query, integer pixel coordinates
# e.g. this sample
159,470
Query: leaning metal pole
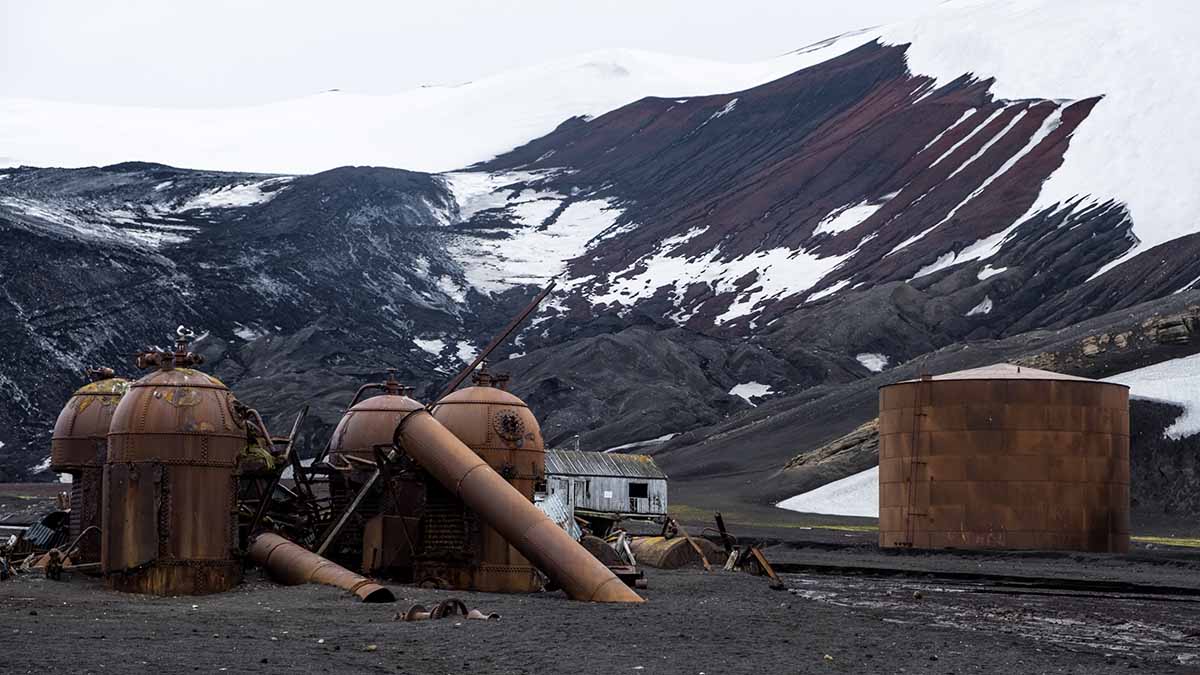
496,342
502,507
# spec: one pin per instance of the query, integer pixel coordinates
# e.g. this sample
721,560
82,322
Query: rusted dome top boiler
169,518
501,429
1004,457
369,424
79,447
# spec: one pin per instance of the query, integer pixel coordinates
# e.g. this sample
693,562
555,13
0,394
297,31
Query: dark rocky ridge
302,297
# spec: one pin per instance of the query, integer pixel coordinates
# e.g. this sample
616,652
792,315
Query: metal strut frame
288,459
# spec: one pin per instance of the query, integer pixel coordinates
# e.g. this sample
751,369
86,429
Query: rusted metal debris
478,527
445,609
672,553
193,483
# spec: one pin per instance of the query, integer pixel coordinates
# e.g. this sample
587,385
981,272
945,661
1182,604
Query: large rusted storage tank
381,538
1004,457
502,430
79,446
170,482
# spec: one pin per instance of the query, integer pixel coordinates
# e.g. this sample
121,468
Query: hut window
639,490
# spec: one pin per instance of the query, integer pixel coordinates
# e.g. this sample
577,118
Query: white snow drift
856,495
1176,381
749,390
550,229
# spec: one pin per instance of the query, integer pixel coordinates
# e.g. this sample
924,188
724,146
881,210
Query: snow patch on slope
641,444
41,466
847,217
465,352
115,226
856,495
1176,381
749,390
775,272
988,272
538,231
984,307
431,346
872,361
235,196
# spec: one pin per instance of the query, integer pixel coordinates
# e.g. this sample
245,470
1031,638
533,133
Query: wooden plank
703,559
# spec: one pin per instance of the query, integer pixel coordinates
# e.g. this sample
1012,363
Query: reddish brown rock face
936,175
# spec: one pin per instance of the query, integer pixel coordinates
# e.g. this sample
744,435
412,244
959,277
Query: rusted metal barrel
170,482
1004,457
291,564
79,447
674,553
501,506
501,429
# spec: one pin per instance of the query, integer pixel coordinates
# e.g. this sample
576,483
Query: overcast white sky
222,52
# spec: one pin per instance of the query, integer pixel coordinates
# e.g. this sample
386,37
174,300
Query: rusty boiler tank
79,447
1004,457
501,429
381,538
170,481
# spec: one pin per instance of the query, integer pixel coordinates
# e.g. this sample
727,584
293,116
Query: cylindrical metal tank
170,482
674,553
79,446
501,429
1004,457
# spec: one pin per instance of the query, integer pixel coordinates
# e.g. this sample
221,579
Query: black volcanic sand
693,622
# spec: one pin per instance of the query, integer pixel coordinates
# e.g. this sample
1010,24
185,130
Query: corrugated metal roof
1005,371
581,463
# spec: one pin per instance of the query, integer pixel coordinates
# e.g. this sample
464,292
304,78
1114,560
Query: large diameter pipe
510,513
291,564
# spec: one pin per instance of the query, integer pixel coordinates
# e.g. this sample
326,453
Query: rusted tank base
178,578
481,578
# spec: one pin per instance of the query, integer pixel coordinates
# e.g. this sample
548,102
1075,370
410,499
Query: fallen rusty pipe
510,513
291,564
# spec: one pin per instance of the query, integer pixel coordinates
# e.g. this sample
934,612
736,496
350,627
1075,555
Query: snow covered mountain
725,236
438,128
